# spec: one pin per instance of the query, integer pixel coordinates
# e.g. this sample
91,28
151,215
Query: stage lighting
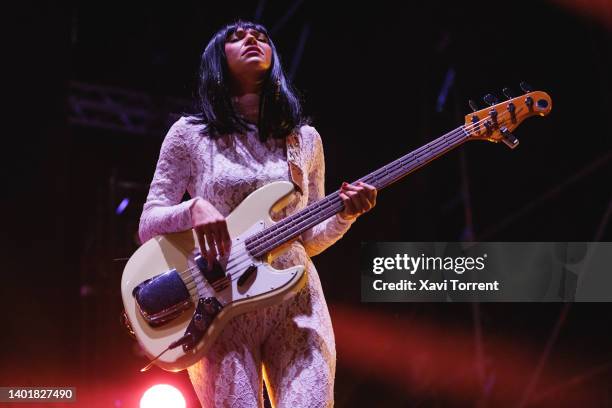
122,206
162,396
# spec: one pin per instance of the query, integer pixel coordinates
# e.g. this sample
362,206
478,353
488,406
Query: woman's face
248,52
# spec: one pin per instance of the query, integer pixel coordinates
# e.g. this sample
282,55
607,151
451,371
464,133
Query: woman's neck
245,96
247,106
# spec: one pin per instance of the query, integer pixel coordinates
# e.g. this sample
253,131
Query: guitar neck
294,225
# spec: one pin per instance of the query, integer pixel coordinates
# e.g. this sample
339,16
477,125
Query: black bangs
230,29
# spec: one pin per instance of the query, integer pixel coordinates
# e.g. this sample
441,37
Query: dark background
371,75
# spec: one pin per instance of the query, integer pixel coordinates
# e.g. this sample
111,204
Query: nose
250,38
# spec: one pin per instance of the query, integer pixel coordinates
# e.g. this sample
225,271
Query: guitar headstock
497,122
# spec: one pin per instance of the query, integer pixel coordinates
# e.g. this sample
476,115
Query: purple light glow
122,206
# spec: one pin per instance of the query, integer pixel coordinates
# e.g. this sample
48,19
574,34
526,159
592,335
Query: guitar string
259,244
334,203
454,136
402,161
381,175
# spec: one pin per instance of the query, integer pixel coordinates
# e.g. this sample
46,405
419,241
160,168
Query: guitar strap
294,161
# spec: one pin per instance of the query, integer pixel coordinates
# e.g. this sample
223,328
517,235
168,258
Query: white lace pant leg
230,374
299,356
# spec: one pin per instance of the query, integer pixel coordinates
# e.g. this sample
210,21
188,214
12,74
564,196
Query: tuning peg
490,99
474,117
508,138
508,93
528,100
525,87
473,105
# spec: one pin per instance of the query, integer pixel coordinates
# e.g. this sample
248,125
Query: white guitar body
175,251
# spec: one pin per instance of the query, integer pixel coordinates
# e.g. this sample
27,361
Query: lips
252,48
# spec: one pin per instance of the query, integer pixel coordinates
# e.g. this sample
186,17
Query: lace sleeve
163,212
321,236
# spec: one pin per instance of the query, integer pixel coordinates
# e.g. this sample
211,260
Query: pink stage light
162,396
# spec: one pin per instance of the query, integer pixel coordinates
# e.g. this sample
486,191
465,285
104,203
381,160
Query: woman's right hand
211,229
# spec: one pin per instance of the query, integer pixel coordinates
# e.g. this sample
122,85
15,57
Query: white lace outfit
293,342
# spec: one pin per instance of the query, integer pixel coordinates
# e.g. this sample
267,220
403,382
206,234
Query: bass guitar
176,307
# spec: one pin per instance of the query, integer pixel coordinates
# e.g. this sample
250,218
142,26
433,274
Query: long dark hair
280,111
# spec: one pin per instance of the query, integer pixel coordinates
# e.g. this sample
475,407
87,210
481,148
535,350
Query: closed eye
239,34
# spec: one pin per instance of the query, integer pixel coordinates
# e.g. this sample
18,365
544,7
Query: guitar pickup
162,298
215,277
246,275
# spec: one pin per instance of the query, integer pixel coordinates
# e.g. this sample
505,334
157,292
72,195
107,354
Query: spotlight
162,396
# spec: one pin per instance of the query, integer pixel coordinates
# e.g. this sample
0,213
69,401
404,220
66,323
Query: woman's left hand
357,199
